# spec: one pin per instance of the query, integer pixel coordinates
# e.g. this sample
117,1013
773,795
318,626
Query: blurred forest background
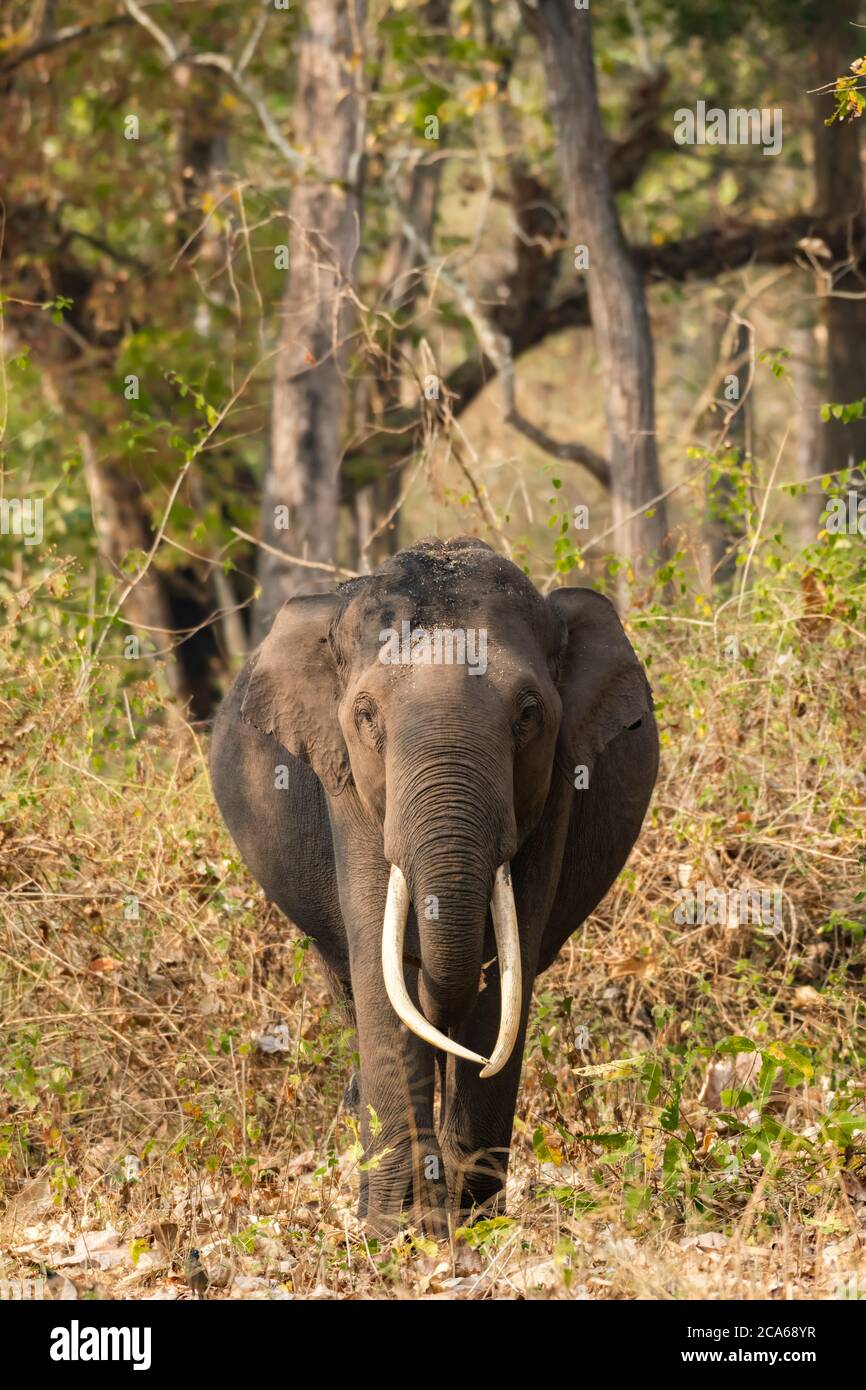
285,286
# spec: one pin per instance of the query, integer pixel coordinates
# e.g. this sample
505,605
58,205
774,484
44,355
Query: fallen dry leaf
34,1200
707,1240
166,1234
105,1249
807,997
855,1187
630,965
728,1074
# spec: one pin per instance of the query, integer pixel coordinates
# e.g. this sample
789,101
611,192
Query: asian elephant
436,773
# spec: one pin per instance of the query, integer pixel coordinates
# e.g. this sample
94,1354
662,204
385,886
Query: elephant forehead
508,617
446,669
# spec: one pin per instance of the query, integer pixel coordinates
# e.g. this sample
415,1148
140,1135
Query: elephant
437,773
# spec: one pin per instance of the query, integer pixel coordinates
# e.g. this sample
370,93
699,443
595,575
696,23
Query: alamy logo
20,1289
22,516
735,127
76,1343
439,646
846,516
705,905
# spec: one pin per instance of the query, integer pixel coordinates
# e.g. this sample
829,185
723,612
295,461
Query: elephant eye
529,714
366,717
636,725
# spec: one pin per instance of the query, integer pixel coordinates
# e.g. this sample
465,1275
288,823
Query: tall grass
691,1121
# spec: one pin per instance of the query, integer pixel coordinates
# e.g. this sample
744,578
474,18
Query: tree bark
615,287
724,530
839,197
401,282
317,313
806,361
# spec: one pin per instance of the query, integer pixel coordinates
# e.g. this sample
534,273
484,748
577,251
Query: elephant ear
293,688
601,682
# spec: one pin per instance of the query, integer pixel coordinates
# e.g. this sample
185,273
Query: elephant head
438,697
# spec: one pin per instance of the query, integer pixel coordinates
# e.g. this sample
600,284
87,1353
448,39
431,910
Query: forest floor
691,1119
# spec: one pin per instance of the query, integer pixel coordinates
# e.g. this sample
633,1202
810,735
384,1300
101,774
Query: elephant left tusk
504,914
393,932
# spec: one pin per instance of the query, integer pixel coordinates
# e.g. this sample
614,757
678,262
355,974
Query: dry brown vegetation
142,976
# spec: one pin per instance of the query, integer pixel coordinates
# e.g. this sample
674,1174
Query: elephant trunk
448,839
451,906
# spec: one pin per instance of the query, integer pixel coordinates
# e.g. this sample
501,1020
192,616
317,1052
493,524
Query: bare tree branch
496,347
570,452
235,74
249,48
251,94
295,559
112,252
60,38
141,17
706,256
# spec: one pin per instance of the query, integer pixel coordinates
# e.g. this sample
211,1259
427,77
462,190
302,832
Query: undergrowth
691,1119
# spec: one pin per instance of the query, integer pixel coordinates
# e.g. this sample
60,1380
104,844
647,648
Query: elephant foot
430,1221
406,1190
476,1184
473,1210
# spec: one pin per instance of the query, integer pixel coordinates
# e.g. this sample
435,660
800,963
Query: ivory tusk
393,932
504,914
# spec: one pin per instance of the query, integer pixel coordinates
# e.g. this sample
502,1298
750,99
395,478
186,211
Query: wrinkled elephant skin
438,737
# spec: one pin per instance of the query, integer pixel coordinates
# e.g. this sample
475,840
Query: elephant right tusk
504,914
393,932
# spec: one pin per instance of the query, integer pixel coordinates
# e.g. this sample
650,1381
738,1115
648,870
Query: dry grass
140,1117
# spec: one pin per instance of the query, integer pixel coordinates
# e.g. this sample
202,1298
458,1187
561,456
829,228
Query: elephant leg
478,1114
402,1173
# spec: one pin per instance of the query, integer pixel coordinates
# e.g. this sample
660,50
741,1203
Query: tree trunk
805,359
839,195
616,294
724,528
400,281
317,314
